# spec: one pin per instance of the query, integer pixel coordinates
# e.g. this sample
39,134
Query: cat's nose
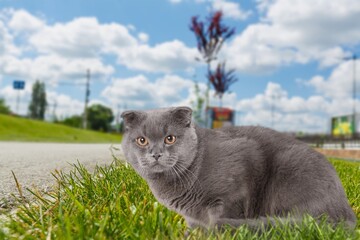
156,156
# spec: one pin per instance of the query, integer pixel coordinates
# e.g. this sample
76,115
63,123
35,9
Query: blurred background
291,65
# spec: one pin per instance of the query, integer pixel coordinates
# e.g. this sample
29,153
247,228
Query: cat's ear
182,115
133,118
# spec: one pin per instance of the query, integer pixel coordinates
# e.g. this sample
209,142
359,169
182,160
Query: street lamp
353,58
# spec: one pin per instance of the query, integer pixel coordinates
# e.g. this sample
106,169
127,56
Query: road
33,163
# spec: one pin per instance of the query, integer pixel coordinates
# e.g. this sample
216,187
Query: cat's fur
234,175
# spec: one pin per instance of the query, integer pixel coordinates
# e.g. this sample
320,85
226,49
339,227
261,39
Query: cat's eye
141,141
170,139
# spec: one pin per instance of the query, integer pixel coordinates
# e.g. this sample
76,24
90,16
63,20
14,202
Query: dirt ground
351,154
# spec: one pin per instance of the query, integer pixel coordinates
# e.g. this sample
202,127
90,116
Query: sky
292,58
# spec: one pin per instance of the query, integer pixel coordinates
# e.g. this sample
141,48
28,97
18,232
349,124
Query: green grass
115,203
20,129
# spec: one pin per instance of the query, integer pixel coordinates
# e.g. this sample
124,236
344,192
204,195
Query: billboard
343,126
220,117
19,84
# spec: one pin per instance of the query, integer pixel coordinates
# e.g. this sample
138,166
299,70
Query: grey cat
231,176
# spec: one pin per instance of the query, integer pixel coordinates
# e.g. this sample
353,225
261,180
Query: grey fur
235,175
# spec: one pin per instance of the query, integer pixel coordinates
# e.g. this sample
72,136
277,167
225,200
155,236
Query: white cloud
164,57
296,31
66,50
255,50
86,37
78,38
318,23
52,68
7,46
141,93
275,107
339,85
143,37
62,106
332,56
23,21
263,5
230,9
293,113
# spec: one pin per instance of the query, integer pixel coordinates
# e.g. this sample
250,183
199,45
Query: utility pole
54,111
118,118
87,94
17,102
354,57
18,85
272,111
273,99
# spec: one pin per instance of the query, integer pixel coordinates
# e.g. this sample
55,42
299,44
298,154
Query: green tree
4,109
73,121
99,117
38,102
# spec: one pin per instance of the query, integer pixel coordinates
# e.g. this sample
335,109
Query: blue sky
287,55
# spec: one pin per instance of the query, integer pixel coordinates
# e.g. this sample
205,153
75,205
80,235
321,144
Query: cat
231,176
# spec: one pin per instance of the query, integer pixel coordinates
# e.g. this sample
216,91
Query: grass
20,129
115,203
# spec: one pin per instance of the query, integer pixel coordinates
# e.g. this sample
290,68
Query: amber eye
141,141
170,139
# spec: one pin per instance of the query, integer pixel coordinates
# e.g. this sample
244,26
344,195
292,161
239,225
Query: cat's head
159,141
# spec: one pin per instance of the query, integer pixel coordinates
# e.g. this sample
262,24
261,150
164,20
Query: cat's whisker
186,176
190,181
175,160
182,177
192,175
178,177
197,194
171,174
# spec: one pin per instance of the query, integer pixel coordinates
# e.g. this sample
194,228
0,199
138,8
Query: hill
20,129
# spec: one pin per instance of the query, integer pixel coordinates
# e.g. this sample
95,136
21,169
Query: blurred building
220,117
345,126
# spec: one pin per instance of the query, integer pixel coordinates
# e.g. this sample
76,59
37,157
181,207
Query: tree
73,121
4,109
210,36
221,80
99,117
38,104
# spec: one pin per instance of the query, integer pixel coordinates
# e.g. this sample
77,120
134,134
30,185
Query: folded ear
182,115
133,118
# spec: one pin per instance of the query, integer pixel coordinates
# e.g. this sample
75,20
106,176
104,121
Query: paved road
33,163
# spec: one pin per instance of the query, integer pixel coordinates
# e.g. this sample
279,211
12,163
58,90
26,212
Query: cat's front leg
214,213
192,224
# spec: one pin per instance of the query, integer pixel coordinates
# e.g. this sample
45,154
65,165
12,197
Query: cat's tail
262,224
